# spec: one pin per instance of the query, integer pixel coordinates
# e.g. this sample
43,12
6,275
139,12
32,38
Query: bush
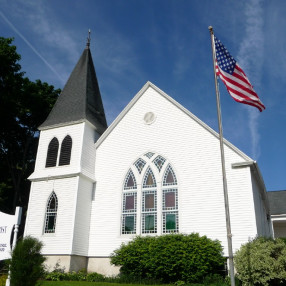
170,258
95,277
262,261
3,278
26,264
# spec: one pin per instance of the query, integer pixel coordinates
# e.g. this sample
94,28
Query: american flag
234,77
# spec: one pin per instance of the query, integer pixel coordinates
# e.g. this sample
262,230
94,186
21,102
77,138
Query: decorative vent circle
149,117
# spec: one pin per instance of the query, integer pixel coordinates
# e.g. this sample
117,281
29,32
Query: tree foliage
262,261
24,105
170,258
26,265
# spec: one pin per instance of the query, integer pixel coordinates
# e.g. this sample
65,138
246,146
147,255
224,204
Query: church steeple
80,100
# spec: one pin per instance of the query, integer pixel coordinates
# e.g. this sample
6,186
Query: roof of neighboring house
80,99
277,201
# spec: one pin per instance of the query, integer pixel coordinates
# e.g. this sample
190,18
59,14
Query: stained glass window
147,193
149,223
159,162
128,224
149,201
51,214
149,179
170,222
149,211
169,177
129,202
170,199
140,163
130,181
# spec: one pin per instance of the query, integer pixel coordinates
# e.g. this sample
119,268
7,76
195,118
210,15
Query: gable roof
80,99
182,108
277,201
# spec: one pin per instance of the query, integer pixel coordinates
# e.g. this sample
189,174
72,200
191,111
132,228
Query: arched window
149,203
149,179
65,155
52,153
170,201
129,206
51,214
130,182
150,197
169,177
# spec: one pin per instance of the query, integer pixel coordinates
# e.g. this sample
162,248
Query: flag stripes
234,78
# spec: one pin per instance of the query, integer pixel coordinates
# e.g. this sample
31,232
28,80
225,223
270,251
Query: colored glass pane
129,202
149,222
129,224
170,221
170,178
170,200
149,201
130,182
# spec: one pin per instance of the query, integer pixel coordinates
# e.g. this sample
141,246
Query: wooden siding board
76,133
82,218
61,241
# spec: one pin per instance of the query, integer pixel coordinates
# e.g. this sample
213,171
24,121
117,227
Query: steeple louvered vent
65,155
52,153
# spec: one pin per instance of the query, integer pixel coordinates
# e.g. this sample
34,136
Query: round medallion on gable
149,117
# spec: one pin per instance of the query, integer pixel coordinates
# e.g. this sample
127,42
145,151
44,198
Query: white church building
155,170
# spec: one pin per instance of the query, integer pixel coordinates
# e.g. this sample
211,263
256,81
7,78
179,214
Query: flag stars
224,59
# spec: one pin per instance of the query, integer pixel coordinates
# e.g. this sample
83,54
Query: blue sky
168,43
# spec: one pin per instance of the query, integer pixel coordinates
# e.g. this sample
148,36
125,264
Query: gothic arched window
52,153
150,197
51,214
149,203
170,201
65,155
129,206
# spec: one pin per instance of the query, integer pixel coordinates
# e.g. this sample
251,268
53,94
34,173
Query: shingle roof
80,99
277,201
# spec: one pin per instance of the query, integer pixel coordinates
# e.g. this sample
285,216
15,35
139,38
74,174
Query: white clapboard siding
263,221
76,132
59,242
195,156
88,151
82,218
73,186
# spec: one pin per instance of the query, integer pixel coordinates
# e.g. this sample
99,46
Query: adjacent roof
277,200
80,99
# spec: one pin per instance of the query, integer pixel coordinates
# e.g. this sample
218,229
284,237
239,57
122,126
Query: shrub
26,264
95,277
3,278
170,258
262,261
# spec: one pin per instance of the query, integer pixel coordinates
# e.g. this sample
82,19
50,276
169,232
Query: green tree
262,261
26,265
24,105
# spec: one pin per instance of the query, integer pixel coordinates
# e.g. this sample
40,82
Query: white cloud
31,46
251,60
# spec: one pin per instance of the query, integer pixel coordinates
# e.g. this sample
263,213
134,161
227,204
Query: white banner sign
6,226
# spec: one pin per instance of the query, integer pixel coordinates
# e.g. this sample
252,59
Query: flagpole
225,191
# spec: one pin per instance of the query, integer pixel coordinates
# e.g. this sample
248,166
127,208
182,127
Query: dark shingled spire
80,99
